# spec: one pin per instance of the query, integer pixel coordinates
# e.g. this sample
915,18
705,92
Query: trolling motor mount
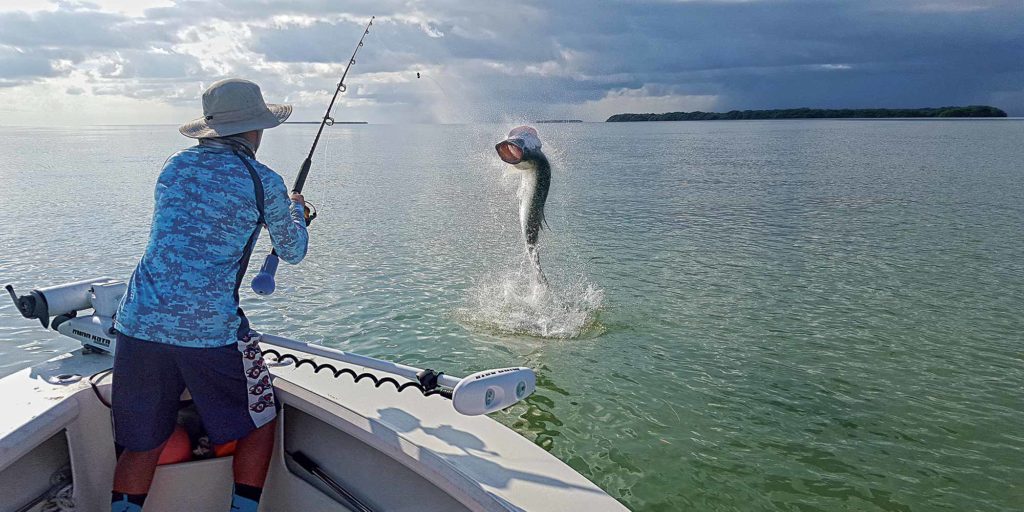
101,293
57,307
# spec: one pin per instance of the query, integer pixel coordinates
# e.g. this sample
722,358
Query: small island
816,113
558,121
318,122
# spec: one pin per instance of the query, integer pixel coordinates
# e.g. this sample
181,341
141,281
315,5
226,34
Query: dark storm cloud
534,55
820,53
750,54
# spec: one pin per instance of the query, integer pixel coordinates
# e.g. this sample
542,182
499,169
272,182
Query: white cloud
127,7
945,6
48,103
478,63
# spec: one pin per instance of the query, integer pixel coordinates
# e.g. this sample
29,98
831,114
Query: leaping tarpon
521,148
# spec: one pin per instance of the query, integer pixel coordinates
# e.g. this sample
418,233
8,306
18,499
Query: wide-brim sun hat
234,106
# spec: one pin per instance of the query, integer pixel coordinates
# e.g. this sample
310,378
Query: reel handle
264,283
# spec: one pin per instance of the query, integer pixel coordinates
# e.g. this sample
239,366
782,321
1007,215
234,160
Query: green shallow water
774,315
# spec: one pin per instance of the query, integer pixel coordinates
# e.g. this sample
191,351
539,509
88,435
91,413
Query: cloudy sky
147,61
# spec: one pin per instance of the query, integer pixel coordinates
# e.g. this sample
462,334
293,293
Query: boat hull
393,451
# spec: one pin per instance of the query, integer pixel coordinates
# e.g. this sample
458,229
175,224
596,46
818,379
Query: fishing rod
264,283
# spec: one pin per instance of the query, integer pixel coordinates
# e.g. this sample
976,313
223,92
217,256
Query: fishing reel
309,212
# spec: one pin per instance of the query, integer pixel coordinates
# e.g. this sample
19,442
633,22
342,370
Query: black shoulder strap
257,184
243,326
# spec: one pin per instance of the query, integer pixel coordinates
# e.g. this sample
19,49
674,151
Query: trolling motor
263,283
63,302
58,307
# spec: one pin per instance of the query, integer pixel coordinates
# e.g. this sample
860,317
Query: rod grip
300,180
263,283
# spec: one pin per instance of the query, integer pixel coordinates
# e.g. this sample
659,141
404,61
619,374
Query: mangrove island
816,113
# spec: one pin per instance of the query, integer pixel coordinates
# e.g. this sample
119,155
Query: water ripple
798,315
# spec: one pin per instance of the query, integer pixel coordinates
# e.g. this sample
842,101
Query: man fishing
180,325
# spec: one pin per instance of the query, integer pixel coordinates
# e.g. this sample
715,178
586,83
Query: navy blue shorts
230,386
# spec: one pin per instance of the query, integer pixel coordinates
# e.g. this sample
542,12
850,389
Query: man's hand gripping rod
263,283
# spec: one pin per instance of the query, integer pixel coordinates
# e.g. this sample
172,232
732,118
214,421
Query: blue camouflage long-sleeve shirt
184,291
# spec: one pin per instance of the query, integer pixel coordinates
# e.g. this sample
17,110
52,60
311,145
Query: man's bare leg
252,460
133,476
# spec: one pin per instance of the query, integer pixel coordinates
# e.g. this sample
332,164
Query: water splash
515,301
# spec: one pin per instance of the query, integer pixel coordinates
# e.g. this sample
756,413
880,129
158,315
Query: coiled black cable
427,378
94,379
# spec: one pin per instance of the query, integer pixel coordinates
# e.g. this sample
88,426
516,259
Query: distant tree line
815,113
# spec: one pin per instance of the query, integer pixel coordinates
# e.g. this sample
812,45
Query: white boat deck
396,451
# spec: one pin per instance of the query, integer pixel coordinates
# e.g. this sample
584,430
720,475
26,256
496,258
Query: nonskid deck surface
394,451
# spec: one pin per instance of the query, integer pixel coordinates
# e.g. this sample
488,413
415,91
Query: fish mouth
510,151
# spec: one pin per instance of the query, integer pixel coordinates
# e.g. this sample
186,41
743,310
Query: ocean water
764,315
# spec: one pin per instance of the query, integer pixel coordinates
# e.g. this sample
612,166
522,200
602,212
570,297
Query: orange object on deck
223,450
178,448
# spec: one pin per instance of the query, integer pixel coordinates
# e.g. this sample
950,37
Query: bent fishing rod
264,282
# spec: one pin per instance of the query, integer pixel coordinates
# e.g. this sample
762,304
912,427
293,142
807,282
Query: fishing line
443,92
328,157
